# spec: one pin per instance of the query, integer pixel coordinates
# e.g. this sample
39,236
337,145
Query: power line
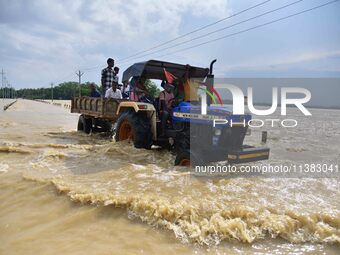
184,35
63,79
251,28
195,30
79,74
221,29
91,69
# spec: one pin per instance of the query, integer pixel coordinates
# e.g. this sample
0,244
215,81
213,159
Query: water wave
207,225
13,149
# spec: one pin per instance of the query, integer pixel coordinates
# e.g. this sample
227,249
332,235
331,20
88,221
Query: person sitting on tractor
113,92
129,86
181,85
94,92
138,89
166,98
126,90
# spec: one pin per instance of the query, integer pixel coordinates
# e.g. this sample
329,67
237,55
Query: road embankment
6,106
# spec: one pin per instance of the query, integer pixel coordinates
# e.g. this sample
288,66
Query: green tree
152,88
63,91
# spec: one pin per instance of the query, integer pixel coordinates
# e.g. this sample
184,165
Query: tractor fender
141,107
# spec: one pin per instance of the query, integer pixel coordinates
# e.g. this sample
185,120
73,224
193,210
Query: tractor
188,132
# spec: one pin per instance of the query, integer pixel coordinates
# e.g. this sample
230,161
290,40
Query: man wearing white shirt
113,92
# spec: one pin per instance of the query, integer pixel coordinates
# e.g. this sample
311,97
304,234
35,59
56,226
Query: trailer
100,114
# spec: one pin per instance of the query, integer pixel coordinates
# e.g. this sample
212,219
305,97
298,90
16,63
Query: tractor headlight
142,106
218,132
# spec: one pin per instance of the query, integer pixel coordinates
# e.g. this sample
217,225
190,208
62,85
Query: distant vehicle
190,134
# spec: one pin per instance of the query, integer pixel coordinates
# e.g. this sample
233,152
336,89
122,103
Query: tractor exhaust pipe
211,66
210,81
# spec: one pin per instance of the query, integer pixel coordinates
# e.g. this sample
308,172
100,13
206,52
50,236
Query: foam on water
93,170
200,209
3,168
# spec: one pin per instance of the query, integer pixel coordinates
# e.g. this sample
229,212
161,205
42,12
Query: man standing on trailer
108,75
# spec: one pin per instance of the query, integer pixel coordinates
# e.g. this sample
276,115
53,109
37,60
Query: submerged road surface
64,192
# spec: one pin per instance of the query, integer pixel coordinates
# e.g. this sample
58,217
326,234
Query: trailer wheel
84,124
136,127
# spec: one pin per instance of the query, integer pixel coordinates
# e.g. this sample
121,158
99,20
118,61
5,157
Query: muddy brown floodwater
64,192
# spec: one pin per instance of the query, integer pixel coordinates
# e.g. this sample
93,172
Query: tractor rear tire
136,127
84,124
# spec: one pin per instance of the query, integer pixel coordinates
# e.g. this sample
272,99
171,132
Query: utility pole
2,84
5,87
52,90
79,74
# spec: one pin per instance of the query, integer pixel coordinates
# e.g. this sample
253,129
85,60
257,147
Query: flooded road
71,193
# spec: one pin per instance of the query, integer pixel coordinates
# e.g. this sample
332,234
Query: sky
48,41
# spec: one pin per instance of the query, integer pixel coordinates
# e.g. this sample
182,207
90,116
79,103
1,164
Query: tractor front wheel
188,158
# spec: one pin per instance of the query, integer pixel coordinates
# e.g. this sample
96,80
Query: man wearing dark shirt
108,75
94,91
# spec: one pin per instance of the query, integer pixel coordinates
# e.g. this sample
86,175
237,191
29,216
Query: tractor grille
230,139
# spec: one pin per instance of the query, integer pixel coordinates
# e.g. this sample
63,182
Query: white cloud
286,61
47,40
61,36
